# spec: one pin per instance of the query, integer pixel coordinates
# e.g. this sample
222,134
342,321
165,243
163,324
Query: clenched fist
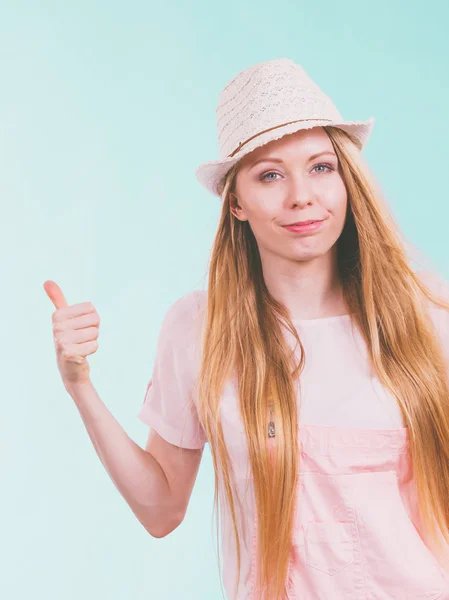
75,333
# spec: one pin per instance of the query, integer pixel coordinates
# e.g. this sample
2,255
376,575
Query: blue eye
328,167
269,173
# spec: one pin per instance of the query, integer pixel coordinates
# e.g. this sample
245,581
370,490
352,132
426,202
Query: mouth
304,227
302,223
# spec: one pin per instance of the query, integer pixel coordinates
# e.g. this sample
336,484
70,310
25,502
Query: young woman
315,365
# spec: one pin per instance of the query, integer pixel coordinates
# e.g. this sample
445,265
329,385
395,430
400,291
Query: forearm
135,473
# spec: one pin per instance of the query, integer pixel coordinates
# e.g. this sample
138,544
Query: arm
156,482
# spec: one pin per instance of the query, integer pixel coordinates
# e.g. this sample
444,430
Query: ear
235,208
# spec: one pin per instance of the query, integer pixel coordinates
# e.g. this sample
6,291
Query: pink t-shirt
357,533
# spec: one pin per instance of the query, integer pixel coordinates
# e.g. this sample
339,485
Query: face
289,185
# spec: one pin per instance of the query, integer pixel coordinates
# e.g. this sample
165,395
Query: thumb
55,294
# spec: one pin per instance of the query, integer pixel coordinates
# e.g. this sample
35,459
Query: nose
301,191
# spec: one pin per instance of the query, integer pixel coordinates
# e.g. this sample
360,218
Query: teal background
106,108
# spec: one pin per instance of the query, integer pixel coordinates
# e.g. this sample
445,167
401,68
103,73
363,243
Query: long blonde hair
243,334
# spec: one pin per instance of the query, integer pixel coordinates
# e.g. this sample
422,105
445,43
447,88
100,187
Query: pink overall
354,533
357,532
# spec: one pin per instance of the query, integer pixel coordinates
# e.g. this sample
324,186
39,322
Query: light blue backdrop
106,108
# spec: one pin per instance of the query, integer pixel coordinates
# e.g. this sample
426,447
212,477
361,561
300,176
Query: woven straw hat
263,103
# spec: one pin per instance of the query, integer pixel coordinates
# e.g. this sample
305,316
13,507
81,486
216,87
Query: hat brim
211,173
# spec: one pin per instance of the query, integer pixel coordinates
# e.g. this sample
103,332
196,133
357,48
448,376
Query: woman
315,365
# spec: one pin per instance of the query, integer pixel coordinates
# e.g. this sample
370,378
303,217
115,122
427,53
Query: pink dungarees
357,533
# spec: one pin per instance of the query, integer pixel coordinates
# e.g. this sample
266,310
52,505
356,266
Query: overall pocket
329,546
325,560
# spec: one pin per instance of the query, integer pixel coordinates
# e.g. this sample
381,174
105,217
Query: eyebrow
279,160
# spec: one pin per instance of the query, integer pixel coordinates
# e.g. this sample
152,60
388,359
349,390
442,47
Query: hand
75,333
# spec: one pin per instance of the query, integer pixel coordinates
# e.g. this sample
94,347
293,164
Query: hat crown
267,95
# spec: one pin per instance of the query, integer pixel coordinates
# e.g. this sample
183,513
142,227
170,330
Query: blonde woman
315,365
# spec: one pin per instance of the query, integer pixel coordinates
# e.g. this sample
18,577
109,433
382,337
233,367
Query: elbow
161,530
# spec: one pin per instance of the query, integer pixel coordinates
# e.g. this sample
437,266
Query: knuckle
57,327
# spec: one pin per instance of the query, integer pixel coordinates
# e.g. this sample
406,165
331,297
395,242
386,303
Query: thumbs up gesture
75,333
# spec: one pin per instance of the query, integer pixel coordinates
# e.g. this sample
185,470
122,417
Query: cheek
263,228
335,201
261,213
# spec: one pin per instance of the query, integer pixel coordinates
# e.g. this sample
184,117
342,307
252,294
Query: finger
79,351
73,312
55,294
87,319
79,336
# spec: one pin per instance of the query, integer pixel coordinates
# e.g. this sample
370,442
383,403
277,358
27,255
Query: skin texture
156,482
299,269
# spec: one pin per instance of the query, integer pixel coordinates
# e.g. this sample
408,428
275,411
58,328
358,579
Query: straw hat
263,103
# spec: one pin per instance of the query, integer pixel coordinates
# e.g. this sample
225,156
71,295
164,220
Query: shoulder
439,286
187,308
435,282
184,317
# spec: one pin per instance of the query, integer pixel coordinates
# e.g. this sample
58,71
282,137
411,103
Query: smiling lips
301,223
304,226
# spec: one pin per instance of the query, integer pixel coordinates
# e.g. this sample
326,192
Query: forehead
301,143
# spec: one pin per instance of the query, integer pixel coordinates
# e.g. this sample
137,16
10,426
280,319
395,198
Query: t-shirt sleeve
168,405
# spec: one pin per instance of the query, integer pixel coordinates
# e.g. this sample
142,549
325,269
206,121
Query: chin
307,255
